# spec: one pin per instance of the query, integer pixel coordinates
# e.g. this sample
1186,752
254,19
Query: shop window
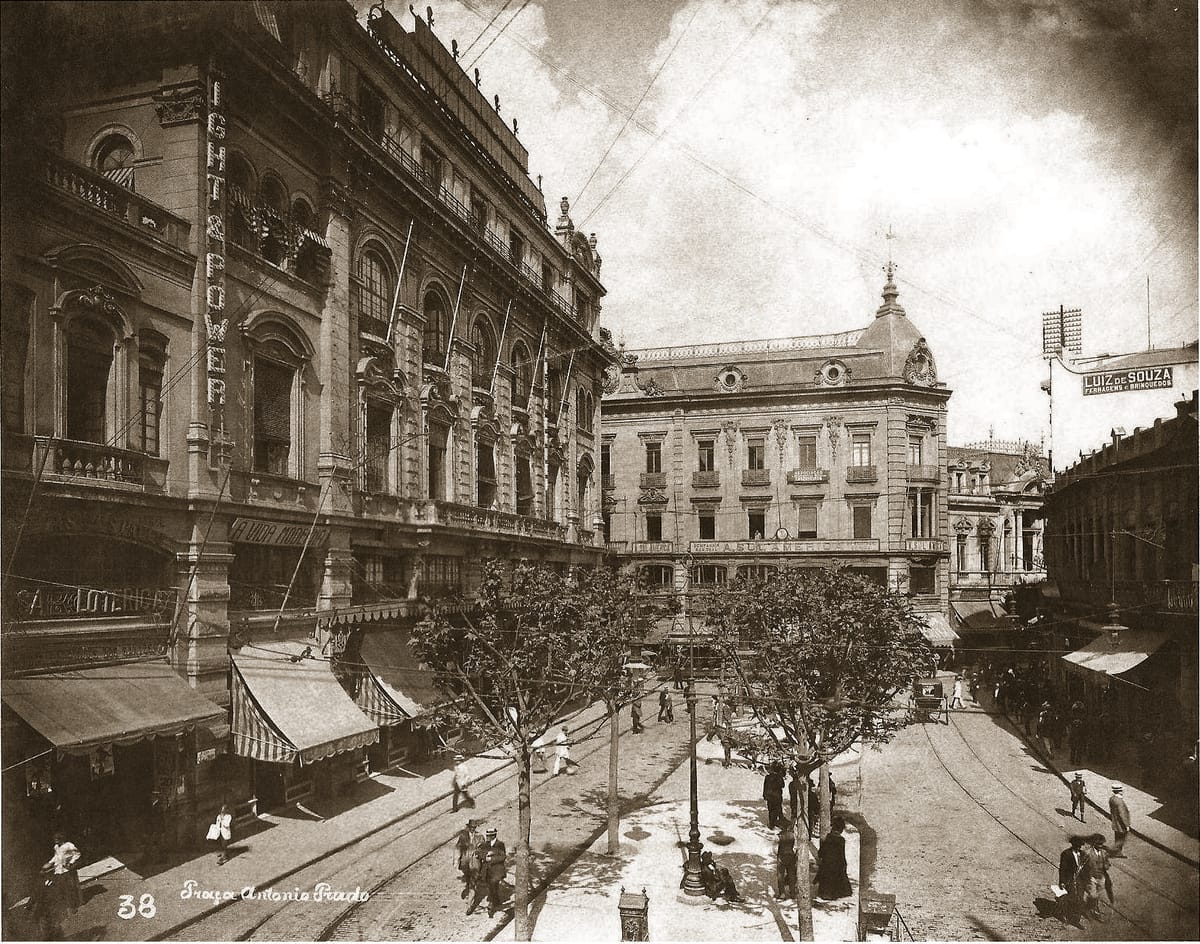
756,453
862,522
708,526
485,474
273,384
706,455
150,383
922,579
375,292
654,526
483,361
757,521
89,362
806,455
379,447
806,527
436,458
653,457
860,449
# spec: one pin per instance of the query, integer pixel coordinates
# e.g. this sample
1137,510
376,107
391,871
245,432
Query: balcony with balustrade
86,463
709,479
861,474
1156,596
488,521
756,478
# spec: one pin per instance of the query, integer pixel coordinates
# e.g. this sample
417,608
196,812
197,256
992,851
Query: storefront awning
285,709
938,630
117,704
363,613
980,616
675,629
1112,657
395,686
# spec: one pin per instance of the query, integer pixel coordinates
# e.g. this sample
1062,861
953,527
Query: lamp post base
693,877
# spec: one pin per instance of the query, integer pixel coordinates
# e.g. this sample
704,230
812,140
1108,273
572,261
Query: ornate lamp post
693,880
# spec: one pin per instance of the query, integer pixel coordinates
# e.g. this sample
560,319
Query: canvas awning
938,630
363,613
285,709
1114,656
675,629
395,686
80,710
980,616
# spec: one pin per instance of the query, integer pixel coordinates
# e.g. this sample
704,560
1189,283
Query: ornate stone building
739,457
289,343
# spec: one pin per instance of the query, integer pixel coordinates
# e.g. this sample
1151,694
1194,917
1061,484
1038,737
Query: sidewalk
1148,813
280,844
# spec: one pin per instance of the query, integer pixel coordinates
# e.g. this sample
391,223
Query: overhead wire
499,33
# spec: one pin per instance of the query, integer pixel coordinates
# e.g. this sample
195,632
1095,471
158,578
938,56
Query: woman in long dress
832,880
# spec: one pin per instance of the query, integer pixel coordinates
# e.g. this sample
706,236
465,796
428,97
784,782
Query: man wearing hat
458,784
1078,796
1070,864
1094,879
1120,820
492,868
464,854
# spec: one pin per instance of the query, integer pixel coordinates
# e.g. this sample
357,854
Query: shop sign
1139,378
253,531
206,755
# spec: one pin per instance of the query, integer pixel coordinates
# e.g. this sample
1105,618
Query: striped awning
395,686
363,613
285,710
937,629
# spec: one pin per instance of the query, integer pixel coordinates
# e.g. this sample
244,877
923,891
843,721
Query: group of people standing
482,863
832,880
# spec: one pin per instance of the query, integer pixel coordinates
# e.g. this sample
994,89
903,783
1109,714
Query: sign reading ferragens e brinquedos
1138,378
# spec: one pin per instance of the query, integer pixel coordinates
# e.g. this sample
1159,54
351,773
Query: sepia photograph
599,470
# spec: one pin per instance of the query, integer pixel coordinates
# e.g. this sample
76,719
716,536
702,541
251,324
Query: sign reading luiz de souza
1139,378
253,531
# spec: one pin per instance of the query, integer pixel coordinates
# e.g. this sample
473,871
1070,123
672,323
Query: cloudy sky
741,162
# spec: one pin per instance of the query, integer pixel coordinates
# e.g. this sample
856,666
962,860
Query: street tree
819,656
513,664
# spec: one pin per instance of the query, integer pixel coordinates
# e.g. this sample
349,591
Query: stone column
201,636
337,445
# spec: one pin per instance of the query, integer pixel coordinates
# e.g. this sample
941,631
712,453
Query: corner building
744,457
290,345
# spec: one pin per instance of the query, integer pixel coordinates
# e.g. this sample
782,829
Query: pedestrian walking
666,711
1078,796
562,752
956,700
832,880
220,832
1070,864
491,862
1094,878
1076,736
458,784
726,746
711,725
465,844
63,868
677,675
1119,810
773,794
635,716
785,864
539,754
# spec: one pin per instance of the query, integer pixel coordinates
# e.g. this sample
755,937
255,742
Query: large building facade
740,457
290,344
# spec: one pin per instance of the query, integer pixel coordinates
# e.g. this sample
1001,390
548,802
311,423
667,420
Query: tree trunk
826,811
803,879
614,801
521,884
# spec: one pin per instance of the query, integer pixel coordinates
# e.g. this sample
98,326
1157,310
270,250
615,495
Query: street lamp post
693,878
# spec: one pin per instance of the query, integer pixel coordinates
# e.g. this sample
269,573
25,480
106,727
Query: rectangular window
524,486
757,521
860,449
806,445
433,165
653,457
922,579
516,248
370,109
960,553
485,475
916,448
862,522
479,211
654,527
272,416
436,486
985,553
150,408
920,512
756,453
708,575
708,526
605,459
379,447
807,525
706,454
547,277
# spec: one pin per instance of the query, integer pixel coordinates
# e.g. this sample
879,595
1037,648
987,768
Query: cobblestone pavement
969,826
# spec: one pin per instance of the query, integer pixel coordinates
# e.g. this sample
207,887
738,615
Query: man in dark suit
492,869
773,794
1069,863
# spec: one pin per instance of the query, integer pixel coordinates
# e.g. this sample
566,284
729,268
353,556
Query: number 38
144,908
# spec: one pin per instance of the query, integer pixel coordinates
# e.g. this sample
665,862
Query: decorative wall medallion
832,427
920,369
652,496
962,526
730,379
833,373
650,388
730,429
780,427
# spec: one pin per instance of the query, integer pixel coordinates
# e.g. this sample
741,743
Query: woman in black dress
832,880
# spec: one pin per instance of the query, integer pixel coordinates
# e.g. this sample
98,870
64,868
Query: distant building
748,456
1094,395
1121,532
996,492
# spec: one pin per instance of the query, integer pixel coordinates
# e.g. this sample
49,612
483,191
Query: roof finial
889,289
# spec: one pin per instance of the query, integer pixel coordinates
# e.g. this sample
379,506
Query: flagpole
399,279
499,350
454,317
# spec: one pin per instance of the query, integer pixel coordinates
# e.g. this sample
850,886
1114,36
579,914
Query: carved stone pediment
652,496
919,368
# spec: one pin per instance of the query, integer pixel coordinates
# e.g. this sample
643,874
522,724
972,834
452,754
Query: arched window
273,196
273,200
239,184
433,342
305,220
552,491
484,362
278,355
585,408
553,393
15,310
524,485
89,363
302,214
519,385
583,494
374,292
657,576
114,159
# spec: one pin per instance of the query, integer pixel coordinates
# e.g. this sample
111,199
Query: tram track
1032,845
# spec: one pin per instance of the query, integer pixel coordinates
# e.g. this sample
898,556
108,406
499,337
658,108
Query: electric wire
499,33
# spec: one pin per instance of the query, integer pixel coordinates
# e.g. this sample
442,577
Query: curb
1053,768
412,811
